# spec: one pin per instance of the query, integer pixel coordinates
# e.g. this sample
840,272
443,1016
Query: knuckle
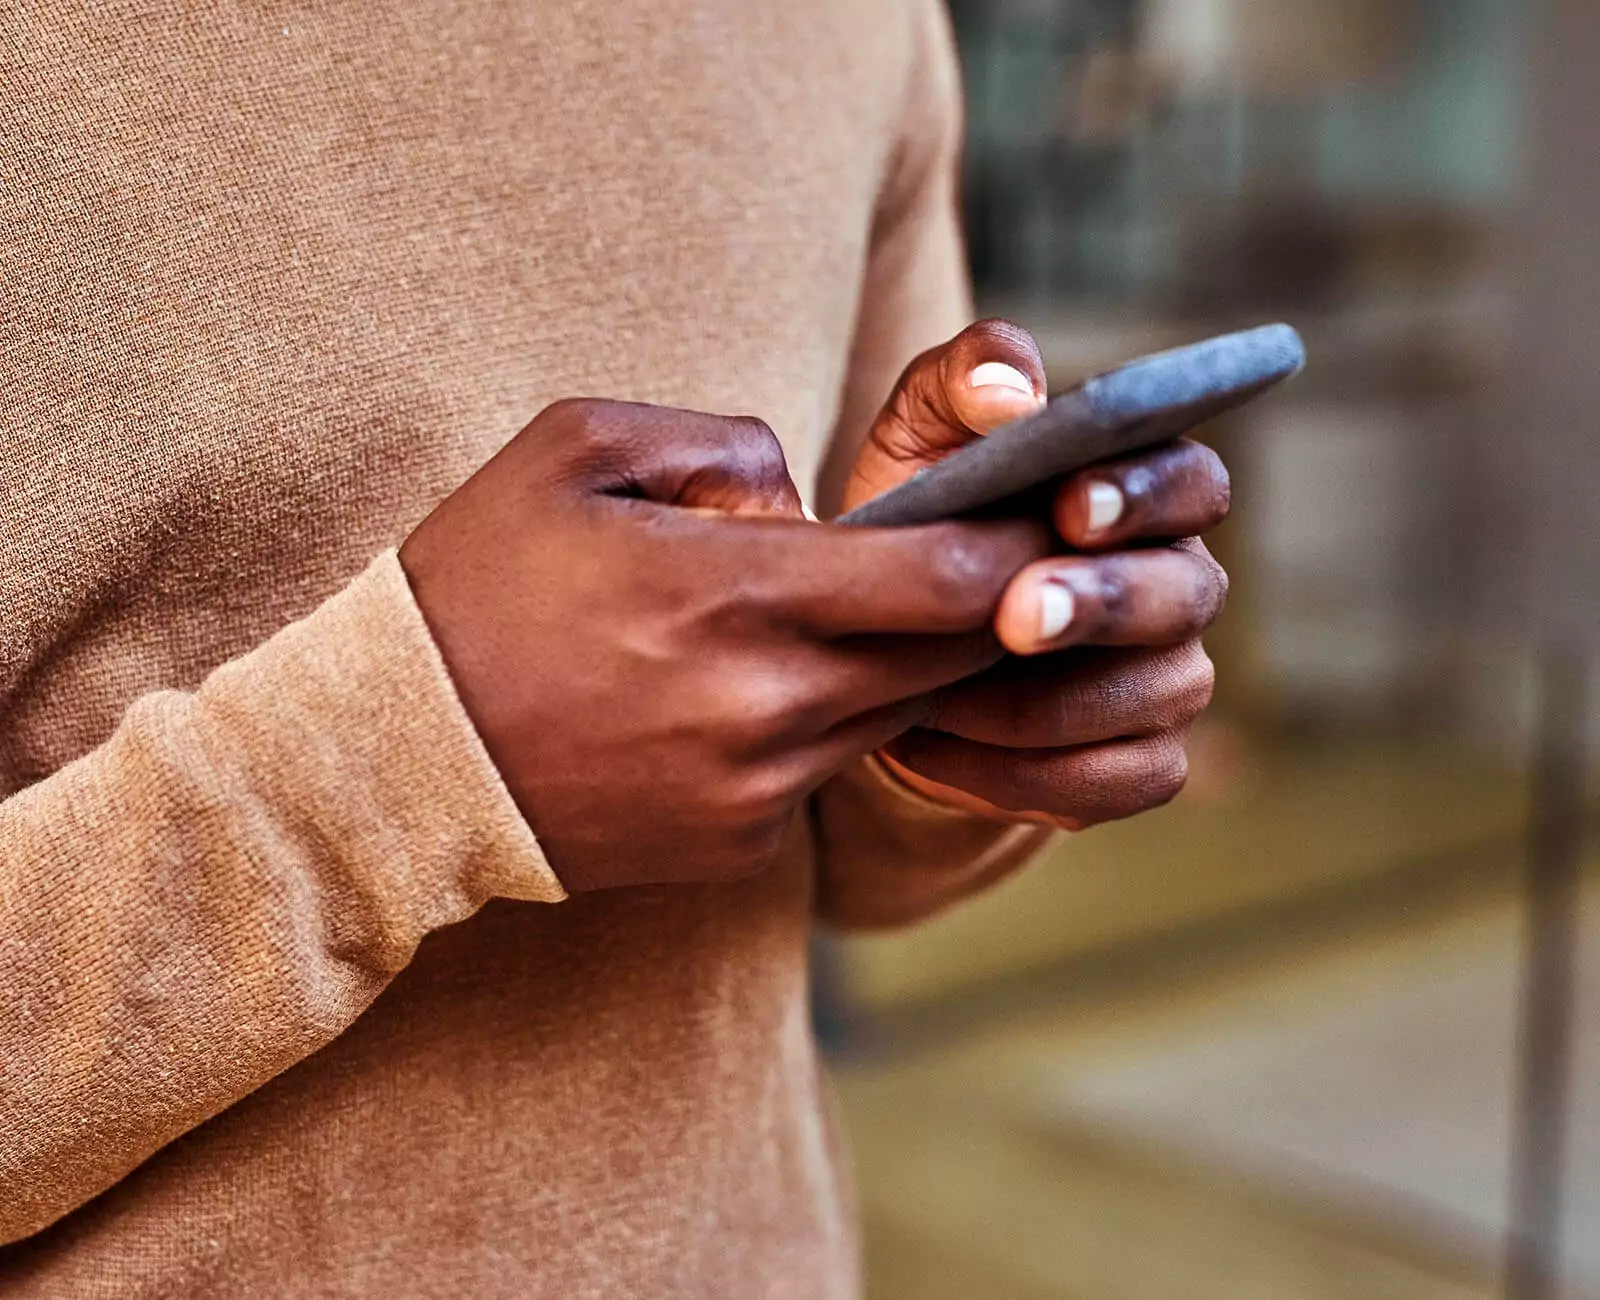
737,606
579,416
589,435
1105,699
960,574
759,459
1220,581
1201,484
1200,680
1186,682
1208,592
1221,486
759,707
1167,774
756,446
767,707
587,446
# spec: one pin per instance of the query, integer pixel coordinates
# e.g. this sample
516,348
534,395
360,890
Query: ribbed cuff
352,716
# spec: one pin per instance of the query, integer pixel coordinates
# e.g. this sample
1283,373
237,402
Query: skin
1092,724
664,659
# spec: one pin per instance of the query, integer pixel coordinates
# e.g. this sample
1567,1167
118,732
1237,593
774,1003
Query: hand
662,659
1090,722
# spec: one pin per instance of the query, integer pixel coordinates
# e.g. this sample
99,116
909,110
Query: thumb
987,376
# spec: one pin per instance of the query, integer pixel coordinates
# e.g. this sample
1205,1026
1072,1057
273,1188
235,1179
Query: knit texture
291,1003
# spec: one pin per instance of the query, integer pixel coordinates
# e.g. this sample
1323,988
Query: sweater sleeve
889,856
228,882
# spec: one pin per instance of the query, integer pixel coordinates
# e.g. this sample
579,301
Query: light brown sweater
290,1003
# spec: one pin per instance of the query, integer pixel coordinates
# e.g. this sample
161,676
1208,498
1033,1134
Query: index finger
940,578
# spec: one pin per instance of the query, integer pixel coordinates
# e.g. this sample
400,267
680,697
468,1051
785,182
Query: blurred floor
1269,847
1319,1119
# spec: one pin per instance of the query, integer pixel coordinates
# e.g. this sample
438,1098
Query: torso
277,277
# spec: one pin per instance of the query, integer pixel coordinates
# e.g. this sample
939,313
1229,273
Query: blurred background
1330,1025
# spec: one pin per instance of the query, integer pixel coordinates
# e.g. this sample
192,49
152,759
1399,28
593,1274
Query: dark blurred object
1285,255
1549,1002
1288,253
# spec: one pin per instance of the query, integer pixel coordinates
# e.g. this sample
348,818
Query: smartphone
1143,404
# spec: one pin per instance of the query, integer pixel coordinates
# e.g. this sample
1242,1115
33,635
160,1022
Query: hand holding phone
1088,718
1147,402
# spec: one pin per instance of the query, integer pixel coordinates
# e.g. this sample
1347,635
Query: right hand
662,658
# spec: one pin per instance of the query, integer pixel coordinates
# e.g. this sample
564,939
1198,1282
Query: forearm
227,883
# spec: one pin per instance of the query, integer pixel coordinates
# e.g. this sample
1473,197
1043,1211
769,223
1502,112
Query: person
412,832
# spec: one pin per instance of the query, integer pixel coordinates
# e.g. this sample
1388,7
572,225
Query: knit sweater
291,1001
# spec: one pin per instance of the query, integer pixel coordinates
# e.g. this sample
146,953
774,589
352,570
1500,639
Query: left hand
1099,732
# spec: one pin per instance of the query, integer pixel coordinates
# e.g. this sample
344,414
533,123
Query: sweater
291,1001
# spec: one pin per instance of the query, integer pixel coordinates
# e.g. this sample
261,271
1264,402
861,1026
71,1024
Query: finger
1180,490
866,733
1131,598
1090,695
1074,787
861,674
987,376
818,688
844,581
729,464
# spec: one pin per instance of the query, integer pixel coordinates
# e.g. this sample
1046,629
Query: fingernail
1056,608
1105,506
996,374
